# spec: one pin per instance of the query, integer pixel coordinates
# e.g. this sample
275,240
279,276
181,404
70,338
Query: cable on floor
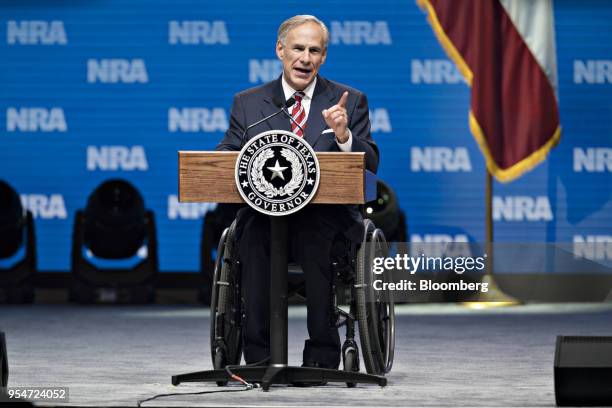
247,386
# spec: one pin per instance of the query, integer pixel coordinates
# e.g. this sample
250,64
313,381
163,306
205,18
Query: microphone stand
282,106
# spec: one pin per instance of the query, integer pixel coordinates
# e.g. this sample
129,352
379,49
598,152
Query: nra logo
264,70
197,120
35,120
593,71
45,206
593,247
436,71
187,211
36,32
108,158
197,32
522,208
379,121
360,33
440,245
440,159
593,159
115,70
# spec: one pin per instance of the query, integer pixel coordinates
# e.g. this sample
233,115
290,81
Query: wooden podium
209,177
206,176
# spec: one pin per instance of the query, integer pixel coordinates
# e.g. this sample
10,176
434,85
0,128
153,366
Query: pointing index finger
343,98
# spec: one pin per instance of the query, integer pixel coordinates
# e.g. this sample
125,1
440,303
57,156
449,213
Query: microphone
279,104
284,107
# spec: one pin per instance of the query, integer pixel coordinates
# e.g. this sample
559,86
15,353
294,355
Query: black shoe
310,364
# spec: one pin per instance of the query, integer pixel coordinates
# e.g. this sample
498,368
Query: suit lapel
321,98
280,121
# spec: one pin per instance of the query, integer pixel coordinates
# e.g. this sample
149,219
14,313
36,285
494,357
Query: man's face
302,54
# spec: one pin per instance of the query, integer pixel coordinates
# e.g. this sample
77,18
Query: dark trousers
311,233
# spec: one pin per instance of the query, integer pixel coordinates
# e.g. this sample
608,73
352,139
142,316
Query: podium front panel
208,176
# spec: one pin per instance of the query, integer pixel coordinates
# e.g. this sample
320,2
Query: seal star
277,171
310,181
245,183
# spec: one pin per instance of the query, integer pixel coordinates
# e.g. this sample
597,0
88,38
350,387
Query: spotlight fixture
114,247
386,214
17,248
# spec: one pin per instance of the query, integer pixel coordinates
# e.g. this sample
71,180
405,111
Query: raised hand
336,118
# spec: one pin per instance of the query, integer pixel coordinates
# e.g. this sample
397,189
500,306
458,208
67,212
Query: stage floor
445,355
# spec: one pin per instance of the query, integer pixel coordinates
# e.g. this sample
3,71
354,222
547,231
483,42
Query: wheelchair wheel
219,363
351,363
225,305
375,315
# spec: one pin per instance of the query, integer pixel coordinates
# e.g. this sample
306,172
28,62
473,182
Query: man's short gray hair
298,20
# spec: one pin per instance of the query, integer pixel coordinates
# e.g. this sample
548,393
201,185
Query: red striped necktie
298,113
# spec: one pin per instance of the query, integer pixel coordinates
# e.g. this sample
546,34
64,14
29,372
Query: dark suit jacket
256,103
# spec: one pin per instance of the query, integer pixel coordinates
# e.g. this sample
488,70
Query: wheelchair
351,269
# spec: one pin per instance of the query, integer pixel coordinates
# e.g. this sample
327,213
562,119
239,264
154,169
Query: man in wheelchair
350,276
330,117
312,233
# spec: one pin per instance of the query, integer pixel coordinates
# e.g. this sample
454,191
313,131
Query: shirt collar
289,91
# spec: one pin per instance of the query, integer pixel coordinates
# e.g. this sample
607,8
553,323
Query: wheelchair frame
375,317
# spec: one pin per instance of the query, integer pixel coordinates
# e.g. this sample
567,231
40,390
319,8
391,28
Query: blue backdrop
102,89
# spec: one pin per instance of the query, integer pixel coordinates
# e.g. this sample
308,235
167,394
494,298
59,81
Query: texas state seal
277,172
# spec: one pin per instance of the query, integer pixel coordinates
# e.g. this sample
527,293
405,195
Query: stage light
583,371
4,373
386,214
114,249
17,249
